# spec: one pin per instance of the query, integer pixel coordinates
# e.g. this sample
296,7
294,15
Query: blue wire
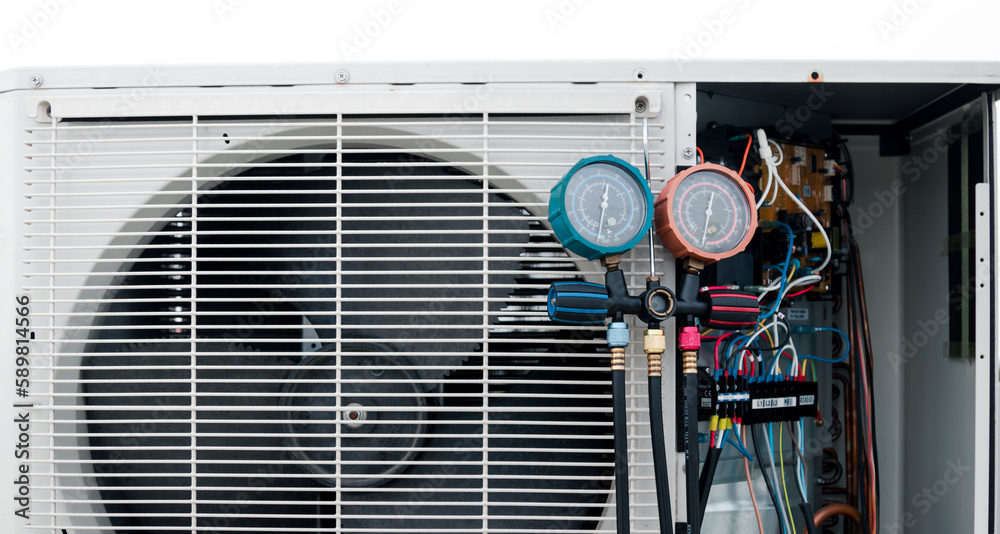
742,451
802,468
735,340
784,271
739,446
847,346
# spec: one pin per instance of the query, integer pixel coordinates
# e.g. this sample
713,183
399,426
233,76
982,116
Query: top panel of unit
625,70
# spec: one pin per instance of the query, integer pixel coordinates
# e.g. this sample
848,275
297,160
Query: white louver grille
329,323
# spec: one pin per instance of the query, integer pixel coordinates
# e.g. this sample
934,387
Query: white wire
770,180
801,471
805,280
775,323
808,279
772,173
826,238
781,153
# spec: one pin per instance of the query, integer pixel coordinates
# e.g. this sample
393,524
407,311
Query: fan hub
379,429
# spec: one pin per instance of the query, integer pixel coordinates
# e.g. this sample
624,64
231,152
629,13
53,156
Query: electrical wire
753,496
774,475
773,175
803,292
767,480
784,486
701,155
746,152
781,153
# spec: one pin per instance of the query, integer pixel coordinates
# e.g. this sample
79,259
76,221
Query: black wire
659,455
759,350
767,480
693,495
708,476
621,450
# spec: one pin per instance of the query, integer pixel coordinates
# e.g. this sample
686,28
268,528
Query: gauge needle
708,217
604,207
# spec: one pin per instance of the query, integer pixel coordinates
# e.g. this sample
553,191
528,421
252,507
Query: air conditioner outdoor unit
302,300
316,308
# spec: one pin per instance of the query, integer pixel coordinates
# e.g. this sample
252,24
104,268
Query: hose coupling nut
653,341
618,335
690,339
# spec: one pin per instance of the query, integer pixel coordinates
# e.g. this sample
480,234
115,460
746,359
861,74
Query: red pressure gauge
706,212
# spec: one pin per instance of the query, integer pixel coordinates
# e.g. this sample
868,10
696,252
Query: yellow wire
788,503
710,330
760,326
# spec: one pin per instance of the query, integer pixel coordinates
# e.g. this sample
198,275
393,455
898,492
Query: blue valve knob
578,302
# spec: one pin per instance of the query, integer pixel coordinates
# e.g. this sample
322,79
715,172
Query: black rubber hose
693,494
621,450
767,480
659,455
708,476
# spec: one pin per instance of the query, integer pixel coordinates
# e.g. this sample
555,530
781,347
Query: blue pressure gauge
601,207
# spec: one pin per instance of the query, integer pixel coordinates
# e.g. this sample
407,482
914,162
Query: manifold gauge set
602,208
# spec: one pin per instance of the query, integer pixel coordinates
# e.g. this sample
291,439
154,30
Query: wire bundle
762,351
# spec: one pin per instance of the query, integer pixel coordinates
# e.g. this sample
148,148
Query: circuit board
807,172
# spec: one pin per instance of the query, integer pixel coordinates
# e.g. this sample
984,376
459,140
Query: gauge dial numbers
707,212
601,207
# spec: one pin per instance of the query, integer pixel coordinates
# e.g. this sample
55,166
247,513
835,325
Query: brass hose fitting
618,358
654,343
689,362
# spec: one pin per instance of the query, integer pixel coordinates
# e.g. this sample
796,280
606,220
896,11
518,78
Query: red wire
701,155
745,152
797,293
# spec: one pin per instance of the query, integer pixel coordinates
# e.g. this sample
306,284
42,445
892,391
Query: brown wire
753,496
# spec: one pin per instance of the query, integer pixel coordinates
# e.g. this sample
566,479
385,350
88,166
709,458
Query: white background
115,32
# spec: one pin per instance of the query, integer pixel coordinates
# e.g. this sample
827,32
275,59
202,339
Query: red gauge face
706,212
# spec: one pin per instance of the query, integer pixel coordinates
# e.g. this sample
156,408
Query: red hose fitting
690,339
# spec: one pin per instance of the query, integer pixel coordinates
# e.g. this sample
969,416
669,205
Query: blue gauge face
601,207
606,205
